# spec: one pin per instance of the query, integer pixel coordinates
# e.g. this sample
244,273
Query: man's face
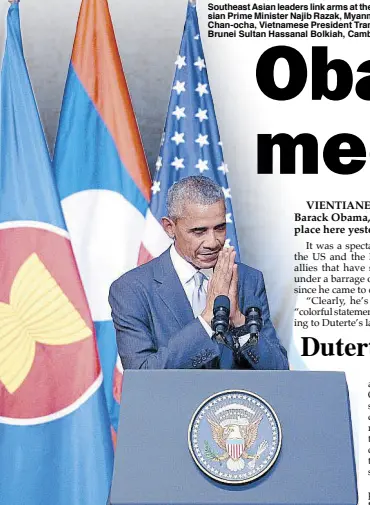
200,234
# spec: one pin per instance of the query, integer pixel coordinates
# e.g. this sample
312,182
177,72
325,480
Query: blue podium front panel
153,464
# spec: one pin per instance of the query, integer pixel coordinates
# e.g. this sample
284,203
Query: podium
153,464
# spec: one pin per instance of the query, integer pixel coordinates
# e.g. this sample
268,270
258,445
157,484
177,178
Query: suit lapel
171,291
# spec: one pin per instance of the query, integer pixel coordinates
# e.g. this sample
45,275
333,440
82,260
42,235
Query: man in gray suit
162,310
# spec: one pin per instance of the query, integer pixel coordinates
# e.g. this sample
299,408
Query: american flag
190,143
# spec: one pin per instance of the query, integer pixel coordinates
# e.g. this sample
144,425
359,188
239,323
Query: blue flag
191,142
55,442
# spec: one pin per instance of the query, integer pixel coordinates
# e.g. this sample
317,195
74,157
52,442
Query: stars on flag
200,64
223,168
179,87
191,145
180,62
201,115
156,187
178,163
178,138
158,163
202,140
179,112
227,242
227,192
201,89
202,165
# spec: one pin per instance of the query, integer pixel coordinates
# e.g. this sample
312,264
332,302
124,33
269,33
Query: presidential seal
234,437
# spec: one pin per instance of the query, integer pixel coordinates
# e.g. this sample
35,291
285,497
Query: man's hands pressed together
224,282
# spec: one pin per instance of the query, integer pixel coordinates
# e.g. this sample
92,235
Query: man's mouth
210,255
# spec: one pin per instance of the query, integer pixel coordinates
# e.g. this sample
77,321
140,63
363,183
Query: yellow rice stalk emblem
38,311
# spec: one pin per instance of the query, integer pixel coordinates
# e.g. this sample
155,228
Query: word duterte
333,151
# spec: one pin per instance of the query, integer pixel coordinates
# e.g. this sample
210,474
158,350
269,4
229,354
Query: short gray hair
193,189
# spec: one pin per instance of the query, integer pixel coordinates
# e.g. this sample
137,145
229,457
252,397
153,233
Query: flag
190,143
55,443
102,176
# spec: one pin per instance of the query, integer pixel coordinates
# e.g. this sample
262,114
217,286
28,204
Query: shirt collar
184,269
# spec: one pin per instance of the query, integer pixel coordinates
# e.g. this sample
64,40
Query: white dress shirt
185,272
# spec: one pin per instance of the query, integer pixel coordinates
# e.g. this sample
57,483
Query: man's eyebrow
204,228
199,228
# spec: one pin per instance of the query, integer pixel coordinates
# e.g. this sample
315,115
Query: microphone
251,328
221,313
253,316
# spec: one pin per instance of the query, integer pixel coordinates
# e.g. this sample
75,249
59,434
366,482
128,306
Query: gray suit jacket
156,328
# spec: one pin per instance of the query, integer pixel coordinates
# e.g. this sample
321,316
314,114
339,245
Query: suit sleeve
268,354
190,347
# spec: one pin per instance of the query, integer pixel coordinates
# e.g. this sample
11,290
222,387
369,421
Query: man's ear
168,226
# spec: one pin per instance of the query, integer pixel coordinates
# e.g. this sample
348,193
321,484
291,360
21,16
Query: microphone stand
232,343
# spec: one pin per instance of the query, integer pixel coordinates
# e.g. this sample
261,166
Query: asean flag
102,176
55,444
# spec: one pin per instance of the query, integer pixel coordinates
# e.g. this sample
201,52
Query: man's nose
211,241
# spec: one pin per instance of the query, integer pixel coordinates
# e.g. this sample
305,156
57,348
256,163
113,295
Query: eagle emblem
234,436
